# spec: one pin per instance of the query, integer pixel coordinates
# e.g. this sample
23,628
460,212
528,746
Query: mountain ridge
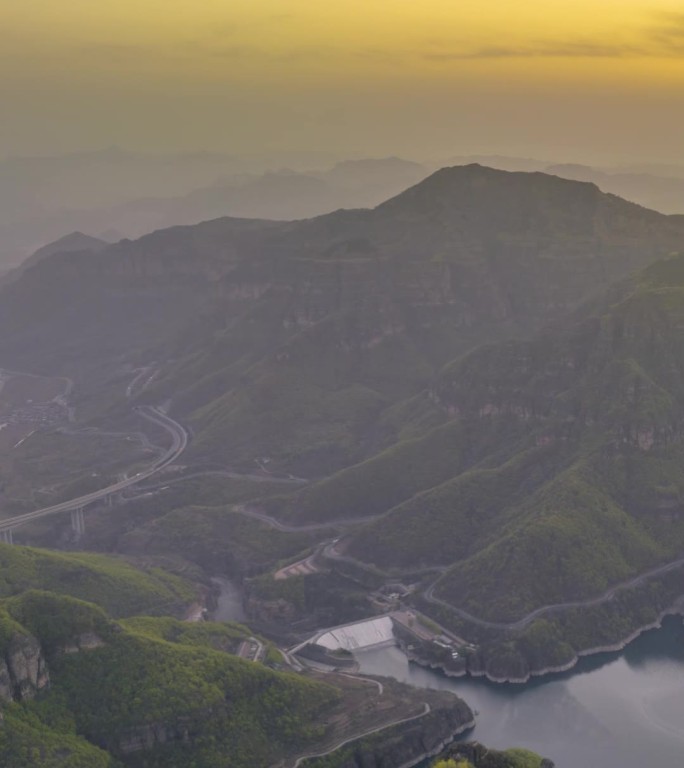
336,304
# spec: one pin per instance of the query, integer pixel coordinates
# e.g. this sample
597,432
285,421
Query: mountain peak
74,242
505,200
476,175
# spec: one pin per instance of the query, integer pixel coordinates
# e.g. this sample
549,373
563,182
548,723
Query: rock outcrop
23,671
86,641
147,737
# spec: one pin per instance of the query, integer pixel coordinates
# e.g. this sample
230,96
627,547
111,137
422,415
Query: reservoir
621,710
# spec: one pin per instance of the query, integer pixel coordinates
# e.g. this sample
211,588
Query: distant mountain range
350,310
74,242
662,193
115,194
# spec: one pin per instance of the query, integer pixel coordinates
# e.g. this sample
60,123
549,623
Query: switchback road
329,550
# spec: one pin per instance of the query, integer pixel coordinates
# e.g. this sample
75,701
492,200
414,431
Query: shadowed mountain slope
294,337
583,490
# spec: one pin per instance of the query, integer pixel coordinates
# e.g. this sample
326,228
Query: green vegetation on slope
322,599
590,498
120,588
287,416
218,539
57,620
154,702
455,518
578,538
29,739
477,756
224,636
390,477
227,707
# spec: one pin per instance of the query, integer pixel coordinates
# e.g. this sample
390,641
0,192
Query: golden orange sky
567,78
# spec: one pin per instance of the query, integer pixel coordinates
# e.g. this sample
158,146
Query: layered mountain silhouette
463,257
115,194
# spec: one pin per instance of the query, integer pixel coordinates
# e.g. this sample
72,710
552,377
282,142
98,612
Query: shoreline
441,746
412,762
676,610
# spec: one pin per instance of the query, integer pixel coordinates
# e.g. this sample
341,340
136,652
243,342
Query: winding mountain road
179,442
303,758
329,550
273,522
556,607
226,473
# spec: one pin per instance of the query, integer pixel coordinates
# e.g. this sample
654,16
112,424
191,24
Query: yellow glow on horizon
299,52
433,32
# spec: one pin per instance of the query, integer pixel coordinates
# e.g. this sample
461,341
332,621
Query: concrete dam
354,637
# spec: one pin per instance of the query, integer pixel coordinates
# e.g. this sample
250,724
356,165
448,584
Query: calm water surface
613,711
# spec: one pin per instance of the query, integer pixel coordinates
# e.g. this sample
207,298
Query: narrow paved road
179,442
328,549
372,681
227,473
300,760
273,522
141,372
556,607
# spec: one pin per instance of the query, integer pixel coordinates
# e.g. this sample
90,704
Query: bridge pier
7,537
111,494
78,522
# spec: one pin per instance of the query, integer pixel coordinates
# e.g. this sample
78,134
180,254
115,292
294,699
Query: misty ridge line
95,192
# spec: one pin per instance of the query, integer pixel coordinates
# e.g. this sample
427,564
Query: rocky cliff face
23,665
86,641
23,671
619,373
147,737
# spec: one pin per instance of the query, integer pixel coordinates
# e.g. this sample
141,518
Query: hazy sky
566,79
